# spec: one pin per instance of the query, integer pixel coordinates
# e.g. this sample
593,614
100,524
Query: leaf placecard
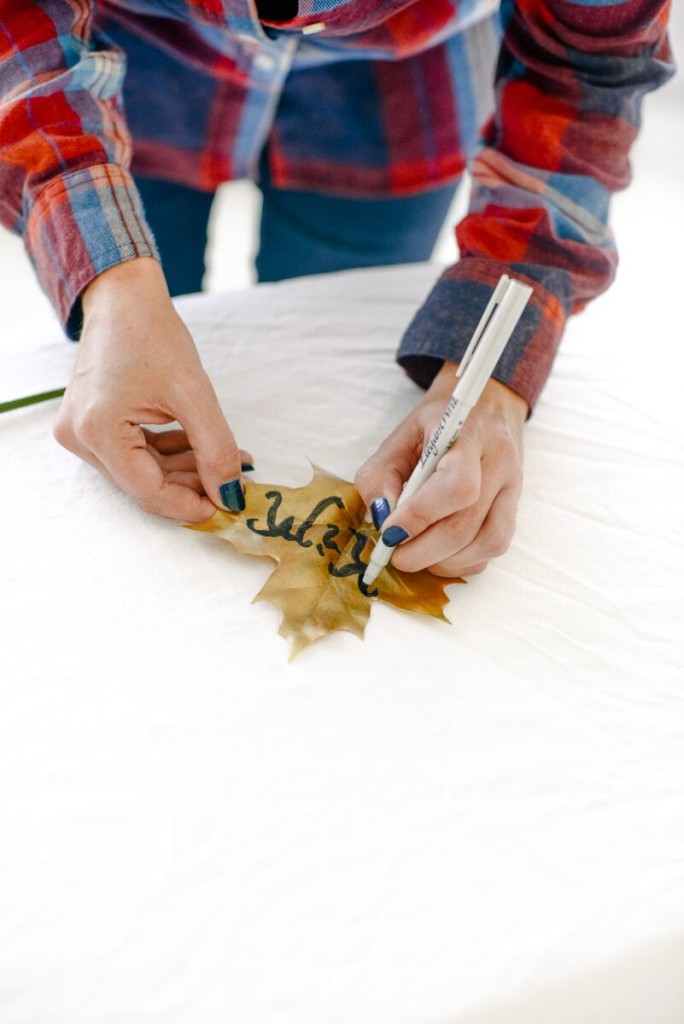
318,537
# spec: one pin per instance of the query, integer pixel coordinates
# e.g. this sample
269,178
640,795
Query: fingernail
232,495
247,467
380,509
394,535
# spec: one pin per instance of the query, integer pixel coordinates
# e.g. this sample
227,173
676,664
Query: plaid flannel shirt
351,97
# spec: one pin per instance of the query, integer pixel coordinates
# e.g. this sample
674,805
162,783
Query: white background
480,823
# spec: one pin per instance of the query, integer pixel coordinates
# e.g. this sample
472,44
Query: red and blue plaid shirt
351,97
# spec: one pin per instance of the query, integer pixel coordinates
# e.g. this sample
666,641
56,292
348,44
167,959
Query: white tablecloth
477,823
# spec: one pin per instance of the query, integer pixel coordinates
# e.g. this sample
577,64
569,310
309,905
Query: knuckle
191,388
364,479
466,487
498,541
87,424
376,478
420,519
62,433
469,490
223,463
445,568
150,503
459,533
507,452
475,570
405,561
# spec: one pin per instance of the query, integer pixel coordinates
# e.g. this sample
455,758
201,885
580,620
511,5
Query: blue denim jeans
300,233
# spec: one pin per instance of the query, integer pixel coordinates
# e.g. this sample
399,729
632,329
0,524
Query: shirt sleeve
65,149
569,84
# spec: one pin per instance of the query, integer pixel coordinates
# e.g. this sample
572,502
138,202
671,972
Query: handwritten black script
283,528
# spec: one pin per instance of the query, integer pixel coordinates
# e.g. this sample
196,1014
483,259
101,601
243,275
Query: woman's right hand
137,364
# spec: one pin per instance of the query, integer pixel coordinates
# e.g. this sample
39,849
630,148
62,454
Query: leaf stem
19,403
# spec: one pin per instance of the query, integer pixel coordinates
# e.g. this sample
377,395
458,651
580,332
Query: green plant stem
19,403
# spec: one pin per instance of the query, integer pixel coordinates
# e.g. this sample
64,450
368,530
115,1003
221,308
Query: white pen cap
490,338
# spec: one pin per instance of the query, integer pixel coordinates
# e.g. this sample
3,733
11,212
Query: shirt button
264,62
309,30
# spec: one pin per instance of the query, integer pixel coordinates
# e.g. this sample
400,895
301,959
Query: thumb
216,451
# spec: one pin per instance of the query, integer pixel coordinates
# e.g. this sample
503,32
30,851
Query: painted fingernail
394,535
380,509
232,495
247,467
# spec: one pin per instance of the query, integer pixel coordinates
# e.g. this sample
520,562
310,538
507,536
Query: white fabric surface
477,823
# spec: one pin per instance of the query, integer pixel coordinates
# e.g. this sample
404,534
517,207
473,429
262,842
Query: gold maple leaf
319,539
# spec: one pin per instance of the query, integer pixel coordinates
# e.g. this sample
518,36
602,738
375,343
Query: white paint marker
498,322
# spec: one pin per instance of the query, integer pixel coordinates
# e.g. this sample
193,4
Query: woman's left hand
464,514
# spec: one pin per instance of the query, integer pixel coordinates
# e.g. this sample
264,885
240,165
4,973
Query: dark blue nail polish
232,495
394,535
380,509
246,467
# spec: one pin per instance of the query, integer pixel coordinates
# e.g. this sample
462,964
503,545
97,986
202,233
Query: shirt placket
271,58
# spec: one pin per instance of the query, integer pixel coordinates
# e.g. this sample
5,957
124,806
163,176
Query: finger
172,501
184,462
73,446
471,570
190,480
65,434
124,460
176,442
455,485
217,454
491,540
167,442
180,468
383,475
178,496
177,499
442,540
134,470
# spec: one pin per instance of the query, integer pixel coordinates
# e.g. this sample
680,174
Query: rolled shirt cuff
81,224
443,326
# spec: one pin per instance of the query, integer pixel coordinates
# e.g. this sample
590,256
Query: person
119,120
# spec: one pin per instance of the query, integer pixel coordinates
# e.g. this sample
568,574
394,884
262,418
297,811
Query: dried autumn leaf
317,535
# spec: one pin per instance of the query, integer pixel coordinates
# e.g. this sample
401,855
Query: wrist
496,395
124,283
503,399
